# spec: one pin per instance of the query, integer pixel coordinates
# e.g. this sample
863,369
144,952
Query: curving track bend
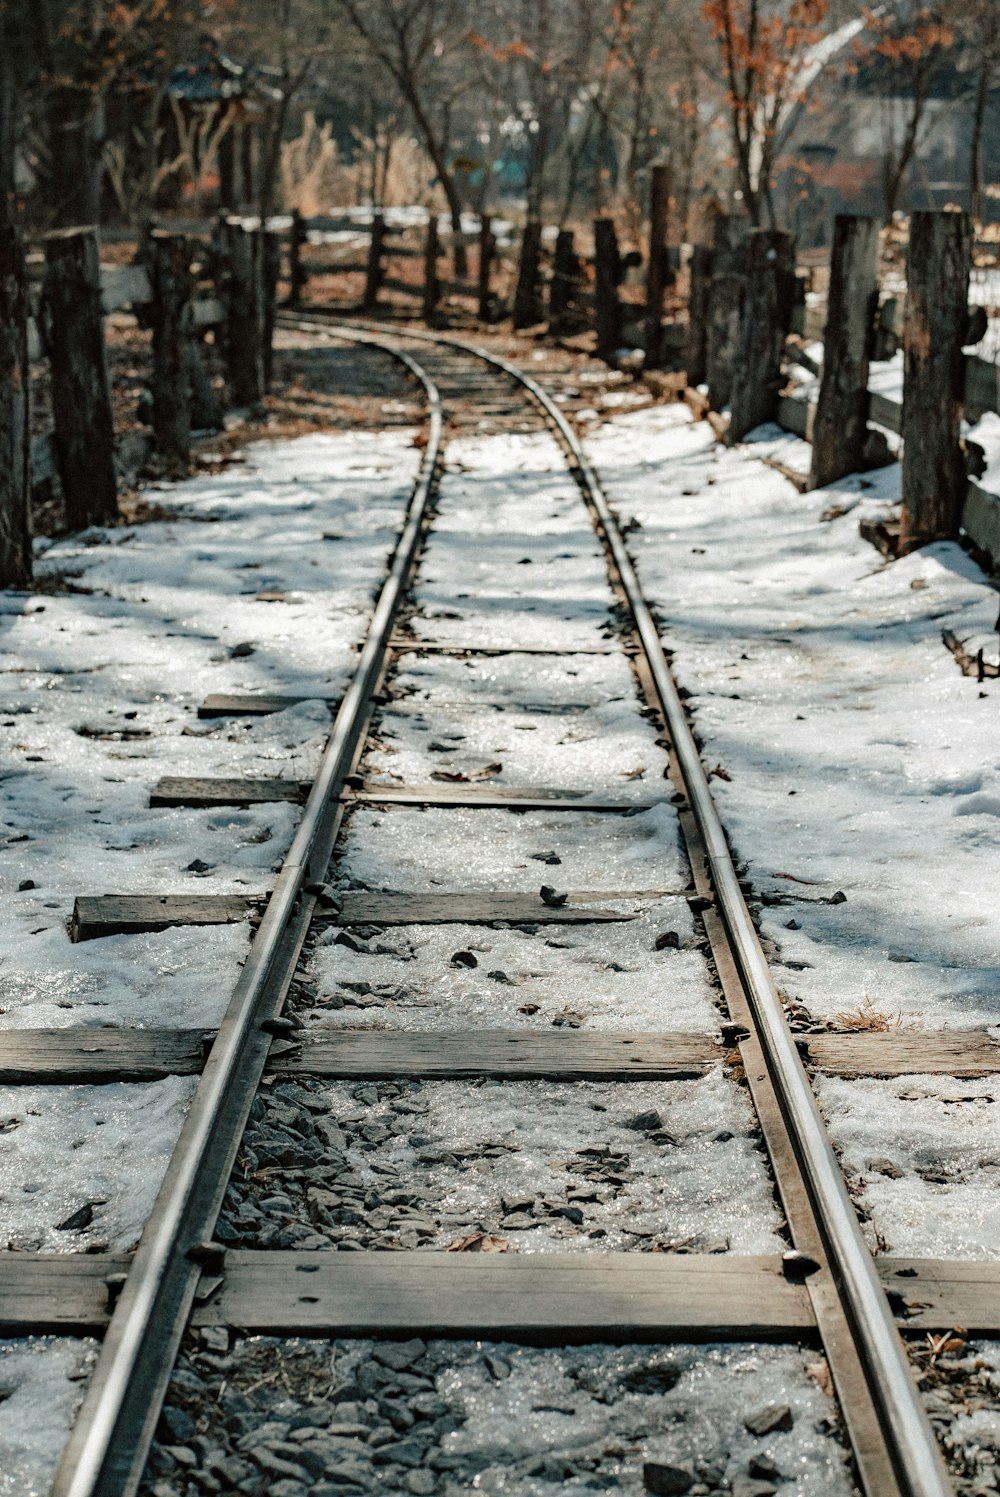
512,724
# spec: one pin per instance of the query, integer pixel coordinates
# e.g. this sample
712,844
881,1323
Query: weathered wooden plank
564,1055
902,1053
540,1298
128,914
176,790
444,647
932,1294
520,797
363,908
65,1057
226,704
55,1293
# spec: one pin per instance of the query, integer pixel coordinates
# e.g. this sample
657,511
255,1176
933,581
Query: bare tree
768,51
416,42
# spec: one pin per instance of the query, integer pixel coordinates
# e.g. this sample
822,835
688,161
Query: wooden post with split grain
840,427
81,395
272,247
658,268
15,511
725,304
243,297
169,260
934,477
298,276
432,286
607,279
699,300
376,250
487,250
765,317
527,299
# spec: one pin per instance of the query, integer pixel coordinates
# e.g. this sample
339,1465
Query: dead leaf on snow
478,1242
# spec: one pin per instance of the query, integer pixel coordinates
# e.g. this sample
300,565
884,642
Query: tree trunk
432,288
81,397
270,248
298,276
768,297
934,479
840,427
243,296
724,307
373,275
565,276
8,110
528,308
487,249
658,270
75,130
702,258
976,155
608,275
227,170
460,259
15,442
169,258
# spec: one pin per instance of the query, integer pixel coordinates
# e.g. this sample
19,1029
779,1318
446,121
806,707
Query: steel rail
109,1443
913,1448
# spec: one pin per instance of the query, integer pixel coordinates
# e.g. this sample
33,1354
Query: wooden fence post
658,268
271,249
487,250
840,427
298,276
725,299
243,295
169,260
527,300
432,286
934,477
769,293
700,270
565,275
15,444
81,395
373,275
608,275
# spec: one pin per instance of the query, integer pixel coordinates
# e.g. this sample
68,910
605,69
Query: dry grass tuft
866,1017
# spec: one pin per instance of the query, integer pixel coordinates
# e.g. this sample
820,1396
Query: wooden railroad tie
89,1056
176,790
129,914
539,1298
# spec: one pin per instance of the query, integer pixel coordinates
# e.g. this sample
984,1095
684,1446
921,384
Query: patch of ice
63,1148
430,849
159,980
516,1140
42,1382
944,1135
571,722
611,977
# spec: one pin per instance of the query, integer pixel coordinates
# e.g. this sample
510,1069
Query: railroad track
823,1287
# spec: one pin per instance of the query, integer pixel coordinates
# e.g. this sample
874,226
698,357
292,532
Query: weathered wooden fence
739,321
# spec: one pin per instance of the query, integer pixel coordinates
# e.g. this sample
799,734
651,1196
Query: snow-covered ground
859,762
98,698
